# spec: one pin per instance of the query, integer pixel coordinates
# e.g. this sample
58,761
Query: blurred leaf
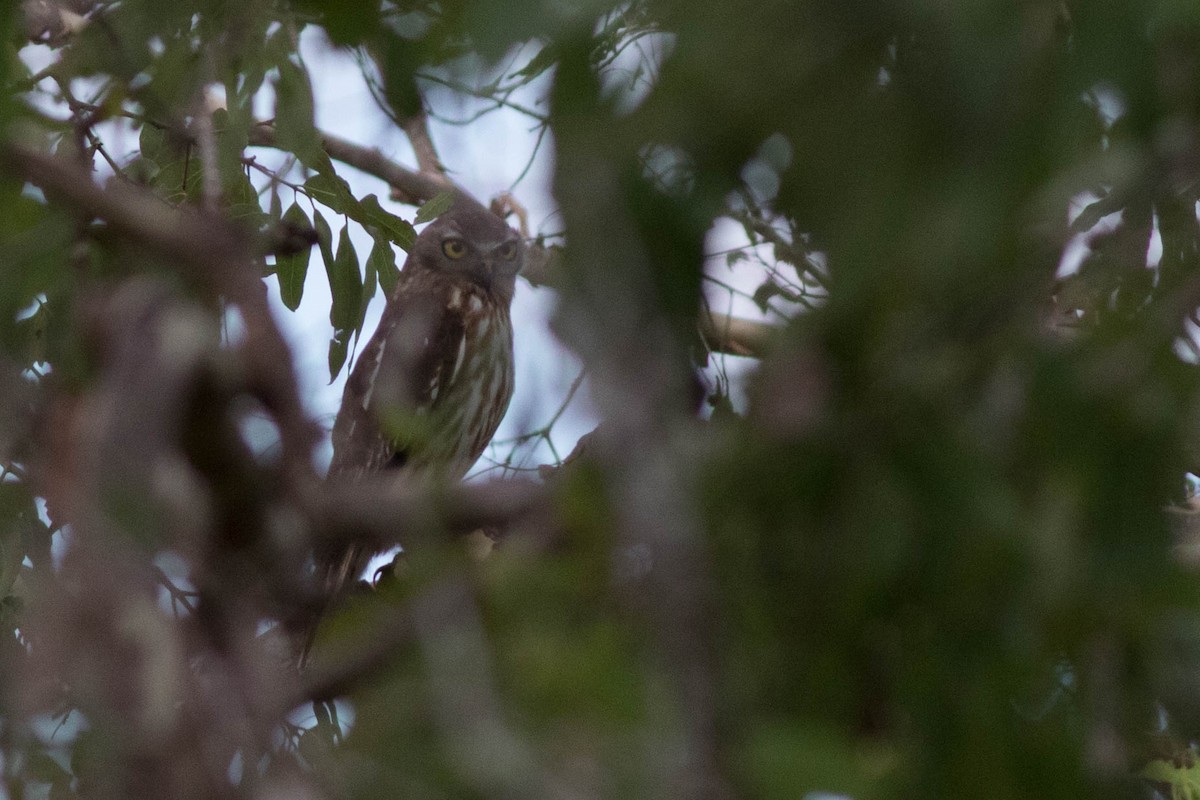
764,293
294,127
542,61
434,207
44,769
347,22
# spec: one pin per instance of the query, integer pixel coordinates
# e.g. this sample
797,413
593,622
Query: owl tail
340,576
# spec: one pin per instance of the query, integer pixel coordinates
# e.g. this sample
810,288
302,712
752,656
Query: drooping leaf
339,347
324,241
346,283
294,126
292,268
370,284
382,261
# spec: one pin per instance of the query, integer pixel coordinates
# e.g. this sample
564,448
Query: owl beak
485,275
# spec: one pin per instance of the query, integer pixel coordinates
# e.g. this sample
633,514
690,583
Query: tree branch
724,334
217,254
411,187
382,511
416,128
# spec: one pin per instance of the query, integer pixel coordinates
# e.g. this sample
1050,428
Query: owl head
472,243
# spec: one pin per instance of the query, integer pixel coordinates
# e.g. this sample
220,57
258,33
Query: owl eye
454,248
508,251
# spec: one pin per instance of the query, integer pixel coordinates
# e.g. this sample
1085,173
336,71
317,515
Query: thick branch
735,335
382,512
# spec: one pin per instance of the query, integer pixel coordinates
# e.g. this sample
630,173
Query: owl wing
414,355
403,371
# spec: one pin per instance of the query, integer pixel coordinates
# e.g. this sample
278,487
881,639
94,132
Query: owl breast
473,393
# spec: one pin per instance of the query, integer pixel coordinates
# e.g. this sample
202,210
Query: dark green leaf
434,207
345,285
370,284
332,191
544,60
324,241
44,769
294,127
764,293
382,261
152,142
398,230
292,268
339,346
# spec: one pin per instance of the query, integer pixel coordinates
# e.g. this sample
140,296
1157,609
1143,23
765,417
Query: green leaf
152,142
382,261
370,284
294,127
180,180
339,346
546,58
371,213
324,241
434,207
44,769
347,22
332,191
346,286
292,268
233,137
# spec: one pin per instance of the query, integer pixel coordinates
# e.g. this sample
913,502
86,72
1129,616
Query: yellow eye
454,248
508,251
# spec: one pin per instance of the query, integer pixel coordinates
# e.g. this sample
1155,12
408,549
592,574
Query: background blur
870,329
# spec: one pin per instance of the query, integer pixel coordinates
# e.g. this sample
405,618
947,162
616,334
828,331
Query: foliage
944,548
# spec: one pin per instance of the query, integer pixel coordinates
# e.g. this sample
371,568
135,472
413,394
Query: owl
435,379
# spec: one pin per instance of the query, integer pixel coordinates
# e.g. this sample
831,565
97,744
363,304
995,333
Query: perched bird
435,379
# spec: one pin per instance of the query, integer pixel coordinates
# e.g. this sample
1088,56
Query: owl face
475,244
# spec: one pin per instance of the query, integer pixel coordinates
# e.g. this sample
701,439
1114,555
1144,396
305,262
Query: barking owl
435,379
